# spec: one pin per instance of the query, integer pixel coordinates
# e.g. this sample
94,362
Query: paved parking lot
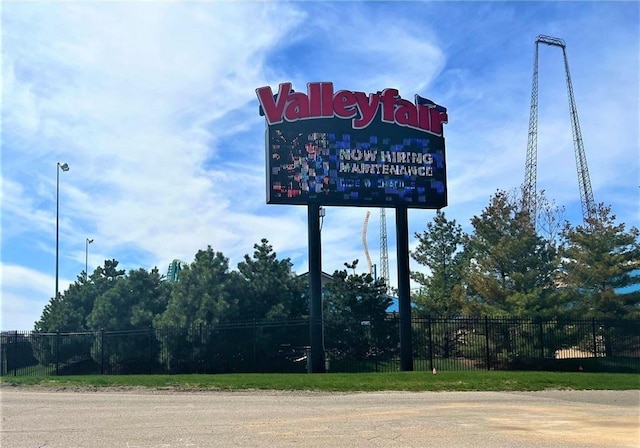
142,418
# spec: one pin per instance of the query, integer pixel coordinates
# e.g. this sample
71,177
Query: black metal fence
359,345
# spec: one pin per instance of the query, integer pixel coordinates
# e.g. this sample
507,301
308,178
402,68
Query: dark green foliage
207,294
70,310
506,268
132,302
198,299
266,288
600,267
502,268
355,315
448,344
201,296
440,251
509,268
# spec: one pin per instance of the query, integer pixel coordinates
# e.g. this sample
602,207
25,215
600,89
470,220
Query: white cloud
25,292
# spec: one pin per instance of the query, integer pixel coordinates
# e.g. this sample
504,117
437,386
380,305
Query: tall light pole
63,167
86,259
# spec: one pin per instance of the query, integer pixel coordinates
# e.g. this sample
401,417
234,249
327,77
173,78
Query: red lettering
344,104
315,99
424,118
367,107
406,114
321,102
388,99
273,110
327,99
297,107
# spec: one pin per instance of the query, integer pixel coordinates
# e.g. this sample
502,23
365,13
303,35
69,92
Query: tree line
207,292
505,266
189,318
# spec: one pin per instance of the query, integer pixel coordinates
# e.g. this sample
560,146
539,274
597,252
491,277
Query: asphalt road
37,418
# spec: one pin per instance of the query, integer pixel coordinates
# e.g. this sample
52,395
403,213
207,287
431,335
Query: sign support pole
316,353
404,298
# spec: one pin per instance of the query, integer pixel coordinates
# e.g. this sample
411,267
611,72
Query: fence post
429,335
200,360
15,356
102,351
486,336
150,351
541,328
4,356
57,350
593,329
254,367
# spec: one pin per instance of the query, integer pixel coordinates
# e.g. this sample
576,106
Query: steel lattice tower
384,253
584,182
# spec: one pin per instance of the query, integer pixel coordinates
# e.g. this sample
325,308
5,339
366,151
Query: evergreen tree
266,288
70,310
200,296
133,302
355,316
509,267
440,251
600,263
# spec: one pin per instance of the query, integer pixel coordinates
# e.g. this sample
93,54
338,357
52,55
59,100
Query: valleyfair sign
351,148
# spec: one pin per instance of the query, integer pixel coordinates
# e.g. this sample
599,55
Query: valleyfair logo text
320,101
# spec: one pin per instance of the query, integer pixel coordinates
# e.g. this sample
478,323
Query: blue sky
153,106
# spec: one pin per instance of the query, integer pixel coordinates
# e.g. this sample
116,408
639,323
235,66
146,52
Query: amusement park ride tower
384,251
529,191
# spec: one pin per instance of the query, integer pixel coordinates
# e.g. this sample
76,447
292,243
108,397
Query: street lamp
86,259
63,167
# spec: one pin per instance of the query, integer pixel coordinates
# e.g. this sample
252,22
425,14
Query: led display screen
352,149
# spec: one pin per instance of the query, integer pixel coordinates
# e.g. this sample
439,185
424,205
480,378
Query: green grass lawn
347,382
